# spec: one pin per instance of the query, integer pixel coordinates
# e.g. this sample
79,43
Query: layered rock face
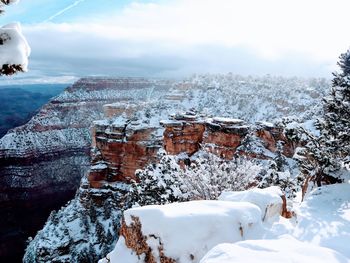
183,134
224,137
120,149
42,162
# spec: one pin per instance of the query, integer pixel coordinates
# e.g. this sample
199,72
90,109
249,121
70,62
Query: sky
176,38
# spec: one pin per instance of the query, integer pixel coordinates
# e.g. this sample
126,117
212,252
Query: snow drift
286,249
269,200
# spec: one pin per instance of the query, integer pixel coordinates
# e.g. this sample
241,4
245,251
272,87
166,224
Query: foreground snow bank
286,249
269,200
14,48
185,231
324,218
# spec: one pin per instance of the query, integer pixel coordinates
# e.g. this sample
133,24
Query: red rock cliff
121,149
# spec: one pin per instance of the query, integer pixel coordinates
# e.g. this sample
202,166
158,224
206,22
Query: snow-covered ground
319,232
268,200
324,218
285,249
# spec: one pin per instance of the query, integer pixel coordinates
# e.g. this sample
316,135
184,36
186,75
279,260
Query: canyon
42,162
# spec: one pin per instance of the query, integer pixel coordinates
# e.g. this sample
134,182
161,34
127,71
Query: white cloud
290,37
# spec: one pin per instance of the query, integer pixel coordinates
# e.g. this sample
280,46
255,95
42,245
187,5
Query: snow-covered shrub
204,177
208,175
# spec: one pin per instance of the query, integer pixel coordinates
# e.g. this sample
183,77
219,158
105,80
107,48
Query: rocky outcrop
120,149
271,201
183,134
225,137
137,242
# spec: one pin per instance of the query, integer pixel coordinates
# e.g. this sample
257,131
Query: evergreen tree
322,157
336,124
159,184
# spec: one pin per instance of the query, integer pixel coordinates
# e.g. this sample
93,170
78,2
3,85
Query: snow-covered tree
336,124
160,183
323,157
273,175
14,48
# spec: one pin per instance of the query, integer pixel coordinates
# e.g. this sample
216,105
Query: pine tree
336,125
159,184
322,157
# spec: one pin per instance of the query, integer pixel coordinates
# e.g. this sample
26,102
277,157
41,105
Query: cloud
176,38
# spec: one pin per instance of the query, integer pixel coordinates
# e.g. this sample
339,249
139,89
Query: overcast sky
74,38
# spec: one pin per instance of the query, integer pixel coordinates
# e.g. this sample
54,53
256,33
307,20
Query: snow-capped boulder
183,232
285,249
270,200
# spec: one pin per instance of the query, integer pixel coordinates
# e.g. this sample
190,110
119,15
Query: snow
324,218
15,49
192,228
227,120
170,123
265,124
122,254
268,199
320,232
99,166
285,249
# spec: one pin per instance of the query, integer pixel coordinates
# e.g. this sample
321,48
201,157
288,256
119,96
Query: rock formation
224,137
120,149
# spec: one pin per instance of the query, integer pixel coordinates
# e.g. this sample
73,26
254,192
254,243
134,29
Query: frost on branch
204,178
14,50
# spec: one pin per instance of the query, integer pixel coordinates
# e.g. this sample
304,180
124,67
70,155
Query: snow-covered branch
14,48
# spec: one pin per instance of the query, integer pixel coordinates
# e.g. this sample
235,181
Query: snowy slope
324,218
320,232
285,249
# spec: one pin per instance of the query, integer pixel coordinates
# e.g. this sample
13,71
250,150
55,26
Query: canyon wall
43,161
